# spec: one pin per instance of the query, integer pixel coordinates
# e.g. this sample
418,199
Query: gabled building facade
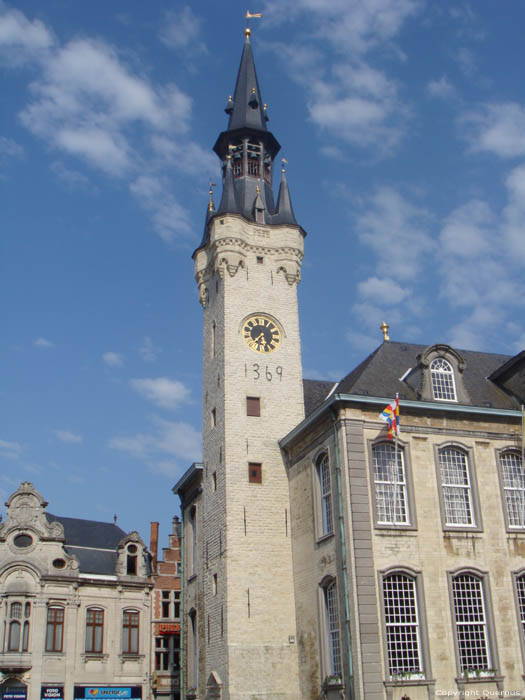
74,606
166,614
321,559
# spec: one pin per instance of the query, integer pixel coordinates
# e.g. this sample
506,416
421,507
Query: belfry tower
247,269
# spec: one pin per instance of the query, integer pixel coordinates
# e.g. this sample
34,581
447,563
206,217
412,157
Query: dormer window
131,560
443,384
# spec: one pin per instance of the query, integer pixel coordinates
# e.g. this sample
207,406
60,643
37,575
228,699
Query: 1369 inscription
257,372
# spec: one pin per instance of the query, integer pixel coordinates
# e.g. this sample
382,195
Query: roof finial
249,16
284,162
384,327
211,205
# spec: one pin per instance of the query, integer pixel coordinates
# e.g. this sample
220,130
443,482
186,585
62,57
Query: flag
256,15
390,415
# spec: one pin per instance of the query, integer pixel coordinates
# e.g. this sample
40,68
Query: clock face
261,333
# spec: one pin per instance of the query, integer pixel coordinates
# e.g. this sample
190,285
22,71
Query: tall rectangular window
402,625
471,623
162,652
130,632
54,629
520,589
94,630
390,485
332,625
513,478
456,487
325,494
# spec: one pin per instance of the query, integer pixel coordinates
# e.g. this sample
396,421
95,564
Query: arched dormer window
439,375
131,559
442,378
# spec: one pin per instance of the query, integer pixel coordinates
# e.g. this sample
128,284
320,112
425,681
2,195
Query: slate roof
379,375
315,392
93,543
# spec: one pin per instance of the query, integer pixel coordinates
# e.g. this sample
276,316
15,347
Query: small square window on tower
255,472
253,406
260,260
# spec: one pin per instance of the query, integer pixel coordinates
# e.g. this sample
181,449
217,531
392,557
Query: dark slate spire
284,213
247,150
210,213
247,102
228,203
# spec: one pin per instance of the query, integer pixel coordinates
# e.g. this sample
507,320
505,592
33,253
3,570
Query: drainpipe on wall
343,554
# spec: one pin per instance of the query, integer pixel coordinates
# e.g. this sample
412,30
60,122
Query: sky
403,124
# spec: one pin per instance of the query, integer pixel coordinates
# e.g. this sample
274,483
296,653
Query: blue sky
403,123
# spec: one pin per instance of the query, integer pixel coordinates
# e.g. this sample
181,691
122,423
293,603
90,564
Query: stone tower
247,269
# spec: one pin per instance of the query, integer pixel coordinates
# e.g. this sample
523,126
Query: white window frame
442,380
459,492
471,635
512,488
390,492
519,595
406,632
323,504
330,628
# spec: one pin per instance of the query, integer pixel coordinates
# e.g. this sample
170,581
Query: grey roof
315,392
93,543
94,561
380,375
89,533
284,213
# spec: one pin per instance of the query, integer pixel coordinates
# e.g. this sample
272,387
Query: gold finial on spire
247,31
211,205
284,162
384,327
258,190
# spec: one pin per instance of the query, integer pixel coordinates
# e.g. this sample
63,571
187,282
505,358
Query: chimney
153,545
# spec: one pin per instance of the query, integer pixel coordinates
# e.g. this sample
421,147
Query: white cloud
396,230
68,436
11,450
189,157
10,148
480,275
496,128
20,39
113,359
181,30
170,219
162,391
442,88
350,25
148,351
385,291
43,343
72,178
89,102
177,440
514,213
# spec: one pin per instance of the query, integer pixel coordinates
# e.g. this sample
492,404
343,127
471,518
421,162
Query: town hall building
321,558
